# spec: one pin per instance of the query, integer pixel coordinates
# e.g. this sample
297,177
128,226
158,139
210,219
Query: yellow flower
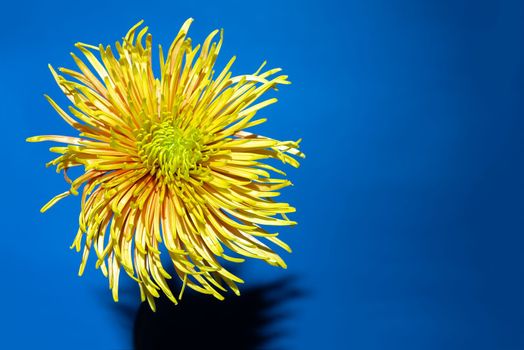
167,160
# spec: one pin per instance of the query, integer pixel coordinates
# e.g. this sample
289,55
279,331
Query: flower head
168,165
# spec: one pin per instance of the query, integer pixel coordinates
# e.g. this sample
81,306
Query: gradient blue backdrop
410,202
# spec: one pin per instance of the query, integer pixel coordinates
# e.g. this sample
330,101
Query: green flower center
169,151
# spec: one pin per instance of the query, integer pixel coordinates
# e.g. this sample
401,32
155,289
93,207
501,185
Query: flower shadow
250,321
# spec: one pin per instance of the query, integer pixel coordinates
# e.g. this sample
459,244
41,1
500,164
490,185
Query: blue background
410,202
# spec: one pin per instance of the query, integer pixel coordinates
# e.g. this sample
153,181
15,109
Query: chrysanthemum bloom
167,160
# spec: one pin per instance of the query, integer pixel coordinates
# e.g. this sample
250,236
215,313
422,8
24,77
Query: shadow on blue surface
250,321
